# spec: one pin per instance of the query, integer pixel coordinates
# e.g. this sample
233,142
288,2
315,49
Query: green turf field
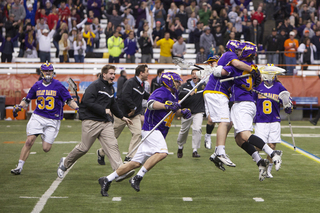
295,188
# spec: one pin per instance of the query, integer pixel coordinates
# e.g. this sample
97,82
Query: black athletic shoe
105,185
100,159
180,153
127,160
313,122
135,182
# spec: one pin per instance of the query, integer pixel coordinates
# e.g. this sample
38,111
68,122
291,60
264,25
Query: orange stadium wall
16,86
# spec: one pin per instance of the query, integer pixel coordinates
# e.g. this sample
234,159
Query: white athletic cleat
218,163
276,158
61,168
207,141
226,160
122,177
16,171
262,164
269,175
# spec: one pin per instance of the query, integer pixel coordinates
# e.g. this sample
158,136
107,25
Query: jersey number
247,86
267,107
42,103
169,119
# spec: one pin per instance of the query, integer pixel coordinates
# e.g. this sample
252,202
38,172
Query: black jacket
98,97
271,43
145,45
120,83
131,97
155,85
194,102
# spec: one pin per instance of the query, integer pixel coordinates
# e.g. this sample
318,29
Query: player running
268,111
154,148
51,96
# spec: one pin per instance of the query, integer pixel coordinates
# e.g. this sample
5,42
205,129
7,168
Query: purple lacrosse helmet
168,78
232,45
45,68
247,49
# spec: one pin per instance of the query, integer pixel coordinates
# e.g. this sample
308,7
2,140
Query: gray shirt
179,49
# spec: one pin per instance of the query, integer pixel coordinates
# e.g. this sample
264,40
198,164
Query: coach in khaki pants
130,103
97,104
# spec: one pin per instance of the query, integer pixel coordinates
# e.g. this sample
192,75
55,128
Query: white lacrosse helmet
268,75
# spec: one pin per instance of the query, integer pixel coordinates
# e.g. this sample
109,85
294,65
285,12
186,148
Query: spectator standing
219,36
290,45
156,82
201,56
141,14
96,29
178,28
207,40
179,49
130,48
115,46
305,35
115,19
233,15
159,13
172,12
22,38
272,45
307,50
197,34
127,15
282,38
6,47
192,24
41,24
30,44
145,46
11,26
18,11
256,33
109,31
64,12
316,41
286,26
95,7
165,48
121,80
205,13
53,16
192,8
44,40
182,15
79,46
72,37
158,31
57,36
89,36
31,11
64,46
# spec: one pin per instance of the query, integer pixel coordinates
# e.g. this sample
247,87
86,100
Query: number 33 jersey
50,99
268,110
153,117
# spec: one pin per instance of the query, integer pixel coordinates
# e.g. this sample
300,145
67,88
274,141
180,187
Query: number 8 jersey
50,99
268,110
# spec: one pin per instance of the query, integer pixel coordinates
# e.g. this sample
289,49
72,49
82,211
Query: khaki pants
91,130
196,130
165,60
135,130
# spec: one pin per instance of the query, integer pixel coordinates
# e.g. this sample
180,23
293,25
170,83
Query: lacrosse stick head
72,85
269,72
170,80
181,63
47,72
284,96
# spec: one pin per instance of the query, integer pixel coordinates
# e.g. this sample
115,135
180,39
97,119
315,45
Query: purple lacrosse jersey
50,99
153,117
268,110
214,85
241,91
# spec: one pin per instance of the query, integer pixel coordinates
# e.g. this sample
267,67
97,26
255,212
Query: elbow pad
150,104
217,71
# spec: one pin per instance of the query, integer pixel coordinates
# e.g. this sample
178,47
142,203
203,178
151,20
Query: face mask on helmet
168,79
268,79
47,72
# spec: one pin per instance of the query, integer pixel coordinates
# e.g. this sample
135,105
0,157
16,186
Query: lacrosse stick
184,64
158,124
233,78
271,70
73,86
285,97
260,93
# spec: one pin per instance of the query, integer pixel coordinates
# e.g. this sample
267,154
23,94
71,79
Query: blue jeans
56,45
114,59
44,56
290,61
61,57
273,58
89,49
79,58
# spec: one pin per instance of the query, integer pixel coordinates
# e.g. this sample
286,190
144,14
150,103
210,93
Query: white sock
194,150
112,176
180,147
20,164
266,148
142,171
256,157
215,150
270,167
221,150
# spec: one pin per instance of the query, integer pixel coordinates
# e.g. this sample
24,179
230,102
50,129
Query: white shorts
217,106
47,128
242,114
268,132
155,143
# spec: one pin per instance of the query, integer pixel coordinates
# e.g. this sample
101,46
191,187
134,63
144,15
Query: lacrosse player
154,148
196,104
268,111
51,96
244,109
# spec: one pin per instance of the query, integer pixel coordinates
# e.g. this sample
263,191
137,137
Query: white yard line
44,198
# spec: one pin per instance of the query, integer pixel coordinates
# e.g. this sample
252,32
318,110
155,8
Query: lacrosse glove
172,106
255,73
288,110
186,113
17,108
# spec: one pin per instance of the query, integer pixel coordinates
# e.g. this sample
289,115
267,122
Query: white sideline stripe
39,197
302,135
187,199
33,153
116,199
170,153
258,199
44,198
282,126
302,152
124,153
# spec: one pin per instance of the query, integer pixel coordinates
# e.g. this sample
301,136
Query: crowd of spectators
73,26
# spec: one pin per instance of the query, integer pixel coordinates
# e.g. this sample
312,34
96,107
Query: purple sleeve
64,93
158,95
229,69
